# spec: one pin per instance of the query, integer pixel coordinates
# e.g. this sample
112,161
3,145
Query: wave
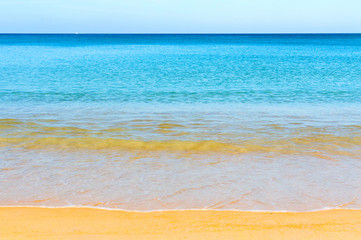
322,146
322,142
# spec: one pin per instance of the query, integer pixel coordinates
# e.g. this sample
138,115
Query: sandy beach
87,223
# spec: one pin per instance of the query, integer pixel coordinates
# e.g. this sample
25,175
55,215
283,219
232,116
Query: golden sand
85,223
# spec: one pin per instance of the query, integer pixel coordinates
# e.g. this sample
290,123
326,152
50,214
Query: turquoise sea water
146,122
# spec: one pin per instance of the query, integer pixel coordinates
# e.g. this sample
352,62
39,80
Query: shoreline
95,223
176,209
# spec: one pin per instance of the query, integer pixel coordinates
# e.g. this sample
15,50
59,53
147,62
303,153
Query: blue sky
180,16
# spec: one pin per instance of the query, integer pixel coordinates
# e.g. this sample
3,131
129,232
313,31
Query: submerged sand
87,223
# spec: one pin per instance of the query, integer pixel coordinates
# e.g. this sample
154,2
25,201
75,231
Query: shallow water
149,122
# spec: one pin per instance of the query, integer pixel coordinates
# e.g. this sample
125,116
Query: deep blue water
180,68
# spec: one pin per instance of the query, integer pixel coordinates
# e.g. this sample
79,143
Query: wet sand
87,223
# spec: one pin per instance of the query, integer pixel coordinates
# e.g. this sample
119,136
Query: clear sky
180,16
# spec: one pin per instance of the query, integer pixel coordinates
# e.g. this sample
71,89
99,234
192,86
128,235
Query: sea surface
152,122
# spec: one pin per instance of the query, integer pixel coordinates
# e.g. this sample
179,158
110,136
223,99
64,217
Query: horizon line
180,33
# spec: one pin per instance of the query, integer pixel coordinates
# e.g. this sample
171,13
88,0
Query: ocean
268,122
